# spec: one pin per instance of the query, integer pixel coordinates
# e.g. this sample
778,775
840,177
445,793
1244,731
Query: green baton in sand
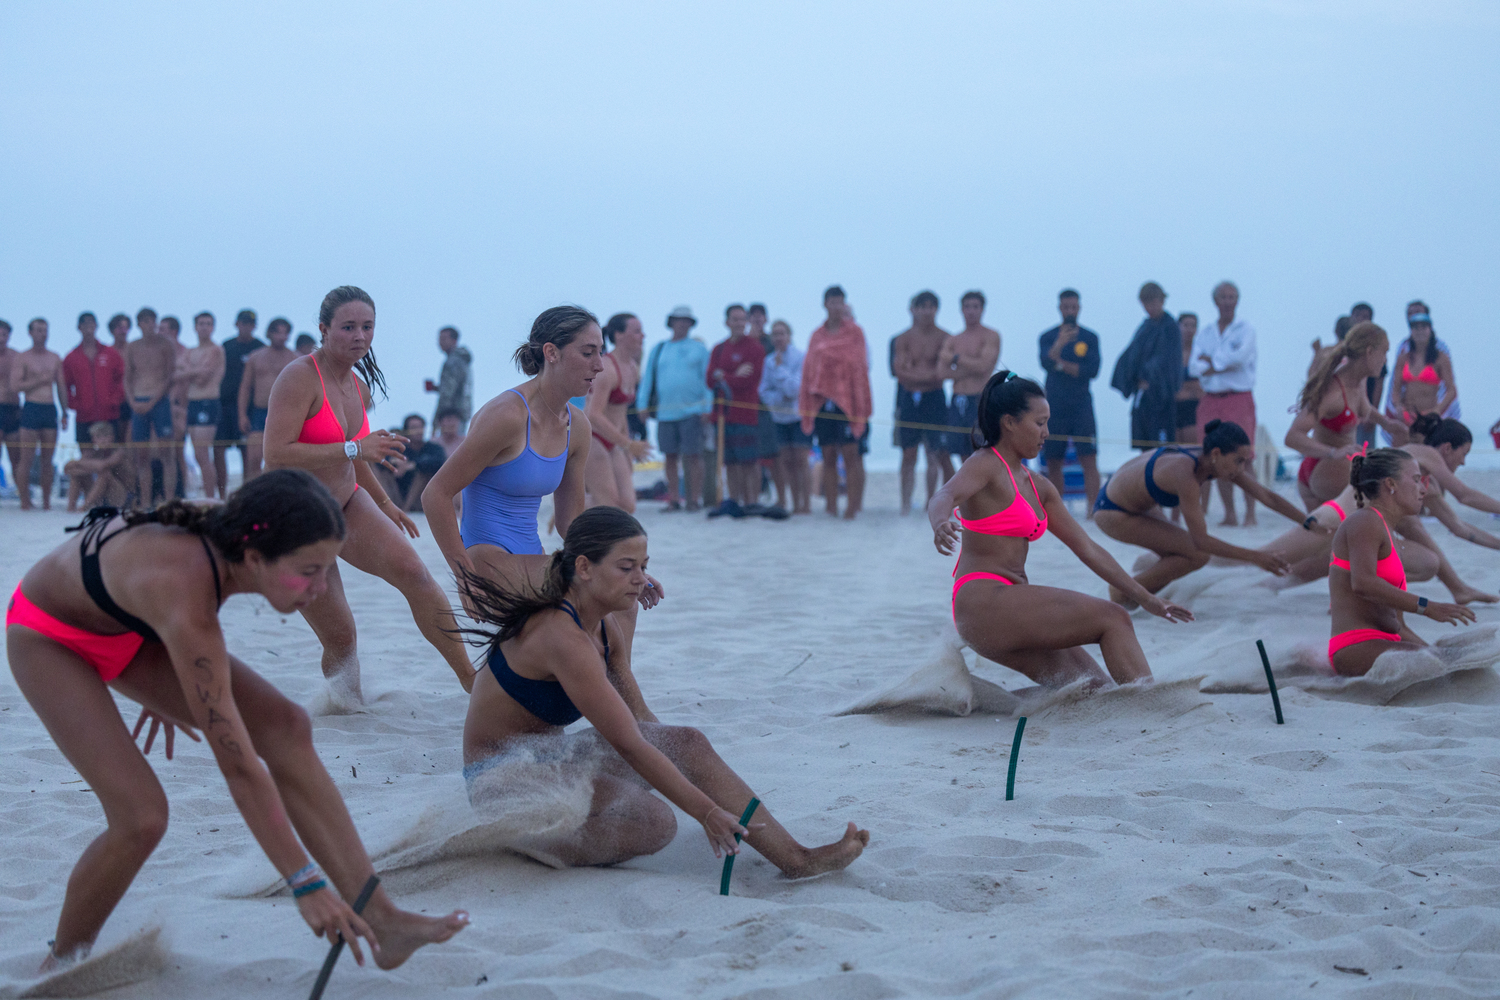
338,946
729,859
1265,661
1015,755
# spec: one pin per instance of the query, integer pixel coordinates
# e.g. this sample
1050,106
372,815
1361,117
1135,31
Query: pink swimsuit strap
1014,521
1336,509
958,585
324,426
1390,569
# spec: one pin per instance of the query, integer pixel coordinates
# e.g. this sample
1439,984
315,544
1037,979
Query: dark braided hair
275,513
368,369
1367,472
557,326
591,535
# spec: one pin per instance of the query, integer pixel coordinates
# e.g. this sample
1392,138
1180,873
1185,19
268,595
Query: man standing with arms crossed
201,371
1224,363
94,377
149,364
971,355
1070,356
36,372
261,369
735,364
229,435
915,355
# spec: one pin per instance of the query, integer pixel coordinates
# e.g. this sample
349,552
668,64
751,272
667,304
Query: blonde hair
1359,340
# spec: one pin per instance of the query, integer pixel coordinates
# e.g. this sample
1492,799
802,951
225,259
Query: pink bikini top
1019,520
1428,375
1389,569
324,427
1344,419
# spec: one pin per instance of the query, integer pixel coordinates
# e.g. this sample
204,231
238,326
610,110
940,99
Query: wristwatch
1421,604
351,450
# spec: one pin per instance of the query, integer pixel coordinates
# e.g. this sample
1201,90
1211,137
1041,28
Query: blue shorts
962,412
10,418
158,419
791,435
832,429
1070,422
258,419
741,443
38,417
203,413
927,409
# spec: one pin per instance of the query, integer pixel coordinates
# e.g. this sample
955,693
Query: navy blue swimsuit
544,699
1158,494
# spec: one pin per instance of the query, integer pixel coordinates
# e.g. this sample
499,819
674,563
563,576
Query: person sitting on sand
99,474
310,424
503,473
1366,581
554,658
1129,506
143,619
1038,631
1332,405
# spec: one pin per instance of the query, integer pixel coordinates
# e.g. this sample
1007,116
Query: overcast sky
474,164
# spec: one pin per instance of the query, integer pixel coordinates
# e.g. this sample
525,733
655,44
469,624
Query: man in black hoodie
1150,372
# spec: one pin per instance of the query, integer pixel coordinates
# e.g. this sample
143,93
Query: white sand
1162,842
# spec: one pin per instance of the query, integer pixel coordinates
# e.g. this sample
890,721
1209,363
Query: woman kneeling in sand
1034,630
144,619
584,798
1366,581
1128,509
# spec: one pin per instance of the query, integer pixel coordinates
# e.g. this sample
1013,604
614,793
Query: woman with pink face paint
133,605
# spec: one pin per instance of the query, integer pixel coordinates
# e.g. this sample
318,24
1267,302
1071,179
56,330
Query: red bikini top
617,397
1019,520
324,427
1343,420
1428,374
1390,569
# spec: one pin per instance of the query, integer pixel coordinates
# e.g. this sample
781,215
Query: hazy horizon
473,165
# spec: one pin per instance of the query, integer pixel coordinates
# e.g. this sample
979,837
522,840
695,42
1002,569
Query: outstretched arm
1438,508
1060,522
970,478
1275,501
1186,487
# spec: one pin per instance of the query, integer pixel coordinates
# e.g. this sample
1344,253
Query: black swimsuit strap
93,577
214,564
603,632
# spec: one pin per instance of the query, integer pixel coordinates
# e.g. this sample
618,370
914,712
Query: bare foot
1118,596
1250,521
1229,522
831,857
849,515
400,933
1466,595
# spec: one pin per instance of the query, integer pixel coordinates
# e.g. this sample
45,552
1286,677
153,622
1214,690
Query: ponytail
1367,472
1006,394
591,535
1425,425
1359,339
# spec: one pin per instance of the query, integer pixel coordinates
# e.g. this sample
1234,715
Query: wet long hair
368,369
1006,394
557,326
1360,338
508,608
275,513
1367,472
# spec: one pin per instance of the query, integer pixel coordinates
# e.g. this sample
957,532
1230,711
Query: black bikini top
93,527
544,699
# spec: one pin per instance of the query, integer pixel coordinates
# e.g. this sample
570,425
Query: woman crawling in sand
135,607
585,798
1038,631
1128,509
1440,448
1366,581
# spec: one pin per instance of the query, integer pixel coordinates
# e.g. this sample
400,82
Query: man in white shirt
1224,364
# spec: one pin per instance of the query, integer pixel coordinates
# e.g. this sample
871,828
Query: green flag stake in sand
1015,755
338,946
1265,661
729,859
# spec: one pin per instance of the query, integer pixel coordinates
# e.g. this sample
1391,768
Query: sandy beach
1164,841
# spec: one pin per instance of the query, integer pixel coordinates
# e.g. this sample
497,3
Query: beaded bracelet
309,888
